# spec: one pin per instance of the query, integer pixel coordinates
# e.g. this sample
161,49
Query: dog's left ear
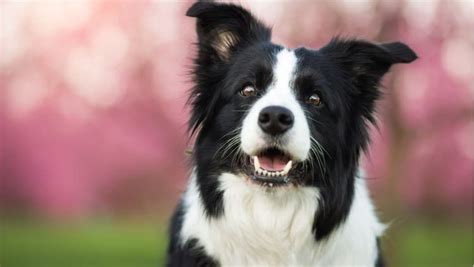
224,28
365,63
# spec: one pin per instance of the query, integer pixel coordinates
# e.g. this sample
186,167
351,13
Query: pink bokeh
93,95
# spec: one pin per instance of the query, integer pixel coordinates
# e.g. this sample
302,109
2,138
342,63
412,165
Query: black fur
234,49
188,254
379,262
213,109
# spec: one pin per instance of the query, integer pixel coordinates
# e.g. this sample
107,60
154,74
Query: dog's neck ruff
261,227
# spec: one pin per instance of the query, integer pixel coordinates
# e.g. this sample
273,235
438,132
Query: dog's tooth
264,172
287,167
256,162
271,184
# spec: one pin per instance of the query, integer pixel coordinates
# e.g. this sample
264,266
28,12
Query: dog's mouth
271,167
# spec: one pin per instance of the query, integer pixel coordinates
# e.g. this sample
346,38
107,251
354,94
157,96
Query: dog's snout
275,120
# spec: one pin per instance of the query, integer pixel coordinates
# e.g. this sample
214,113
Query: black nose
275,120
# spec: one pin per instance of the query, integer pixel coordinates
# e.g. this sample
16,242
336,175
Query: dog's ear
224,28
363,64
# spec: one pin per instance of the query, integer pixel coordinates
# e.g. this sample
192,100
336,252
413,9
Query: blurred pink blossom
94,93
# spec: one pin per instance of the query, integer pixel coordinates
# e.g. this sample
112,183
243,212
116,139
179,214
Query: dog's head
282,117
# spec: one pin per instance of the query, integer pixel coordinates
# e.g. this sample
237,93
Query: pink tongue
276,163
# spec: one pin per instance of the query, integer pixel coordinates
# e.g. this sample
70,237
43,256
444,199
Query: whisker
308,115
317,153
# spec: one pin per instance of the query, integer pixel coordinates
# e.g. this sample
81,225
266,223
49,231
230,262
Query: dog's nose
275,120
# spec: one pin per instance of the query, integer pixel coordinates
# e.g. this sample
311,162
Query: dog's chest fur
261,228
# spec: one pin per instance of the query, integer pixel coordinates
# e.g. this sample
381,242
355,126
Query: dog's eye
248,90
314,99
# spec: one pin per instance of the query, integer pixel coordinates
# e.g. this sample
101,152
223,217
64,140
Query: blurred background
93,120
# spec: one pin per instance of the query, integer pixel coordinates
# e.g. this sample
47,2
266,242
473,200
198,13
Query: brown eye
314,99
248,91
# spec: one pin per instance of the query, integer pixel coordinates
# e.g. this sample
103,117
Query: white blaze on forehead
285,68
279,93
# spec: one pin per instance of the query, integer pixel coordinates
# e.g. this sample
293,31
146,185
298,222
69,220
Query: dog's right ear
223,29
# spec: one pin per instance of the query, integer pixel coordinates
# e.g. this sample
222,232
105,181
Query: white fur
280,93
262,227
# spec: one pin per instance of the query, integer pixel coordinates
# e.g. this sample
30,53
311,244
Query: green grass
137,245
432,244
24,245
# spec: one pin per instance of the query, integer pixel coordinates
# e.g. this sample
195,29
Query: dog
278,133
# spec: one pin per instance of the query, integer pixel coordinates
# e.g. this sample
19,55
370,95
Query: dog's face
282,117
277,102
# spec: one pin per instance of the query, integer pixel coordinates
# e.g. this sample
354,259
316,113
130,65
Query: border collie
279,132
